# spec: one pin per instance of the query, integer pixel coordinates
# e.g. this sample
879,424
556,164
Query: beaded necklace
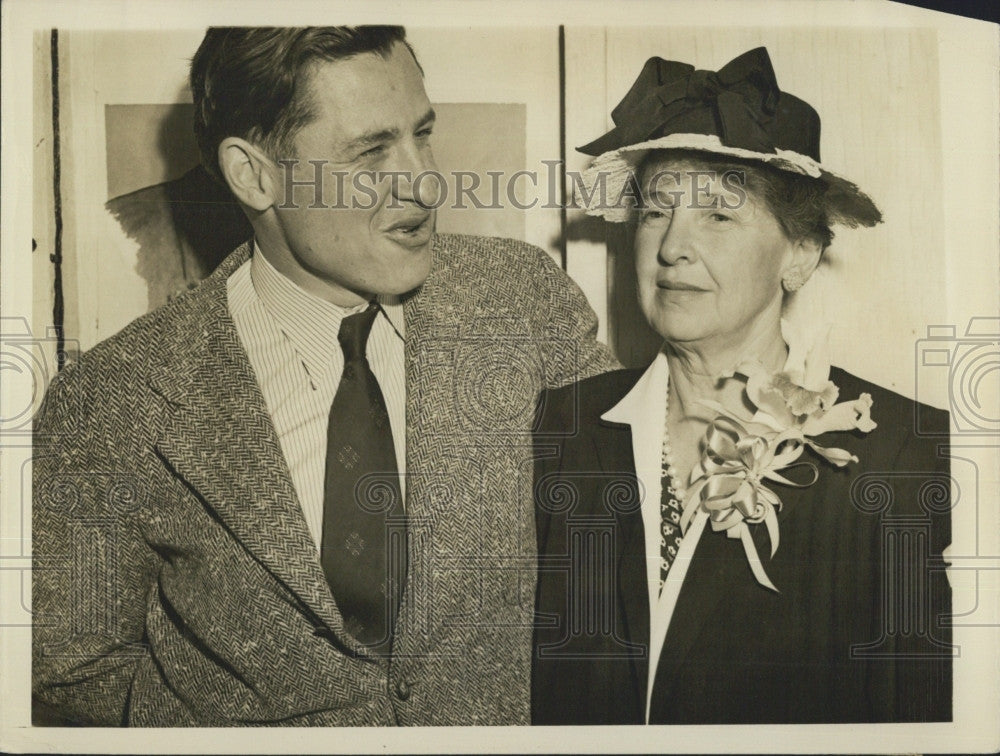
671,496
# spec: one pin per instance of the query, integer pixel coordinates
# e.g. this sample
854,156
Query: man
222,535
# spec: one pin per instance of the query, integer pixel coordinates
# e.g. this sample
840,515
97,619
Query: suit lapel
613,447
707,582
435,315
219,438
614,453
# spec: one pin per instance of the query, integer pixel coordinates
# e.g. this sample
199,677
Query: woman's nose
677,244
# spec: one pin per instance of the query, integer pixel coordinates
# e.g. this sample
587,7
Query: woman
728,536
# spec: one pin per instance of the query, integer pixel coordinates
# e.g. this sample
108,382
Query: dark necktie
363,549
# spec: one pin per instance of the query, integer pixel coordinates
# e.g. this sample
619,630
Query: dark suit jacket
856,633
175,579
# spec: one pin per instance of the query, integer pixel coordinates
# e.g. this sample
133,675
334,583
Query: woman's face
709,257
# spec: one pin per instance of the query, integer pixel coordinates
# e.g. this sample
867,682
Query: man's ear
247,170
805,257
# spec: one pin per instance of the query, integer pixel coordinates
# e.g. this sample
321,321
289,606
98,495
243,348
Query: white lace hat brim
605,194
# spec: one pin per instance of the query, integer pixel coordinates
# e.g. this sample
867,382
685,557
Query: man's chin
399,286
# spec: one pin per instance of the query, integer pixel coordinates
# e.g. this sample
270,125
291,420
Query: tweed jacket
175,579
857,633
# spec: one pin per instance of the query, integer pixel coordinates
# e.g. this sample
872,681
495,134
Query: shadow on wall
184,226
184,229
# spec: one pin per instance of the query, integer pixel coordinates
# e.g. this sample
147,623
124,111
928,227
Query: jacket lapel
706,583
614,453
613,447
219,438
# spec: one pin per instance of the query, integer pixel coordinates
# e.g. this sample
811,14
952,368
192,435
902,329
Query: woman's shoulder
585,397
892,402
903,423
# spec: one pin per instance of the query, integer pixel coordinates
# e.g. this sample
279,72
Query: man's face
370,236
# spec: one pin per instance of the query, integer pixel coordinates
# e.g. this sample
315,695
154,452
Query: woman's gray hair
805,207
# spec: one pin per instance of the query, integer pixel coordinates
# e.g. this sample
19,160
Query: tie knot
354,330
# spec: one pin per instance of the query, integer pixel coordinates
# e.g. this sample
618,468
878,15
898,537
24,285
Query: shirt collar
650,391
311,324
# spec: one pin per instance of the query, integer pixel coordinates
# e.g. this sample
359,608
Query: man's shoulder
488,254
154,340
466,243
504,274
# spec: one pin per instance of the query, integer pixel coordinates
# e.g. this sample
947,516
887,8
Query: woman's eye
720,217
652,215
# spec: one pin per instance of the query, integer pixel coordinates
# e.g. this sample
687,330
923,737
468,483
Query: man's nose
419,180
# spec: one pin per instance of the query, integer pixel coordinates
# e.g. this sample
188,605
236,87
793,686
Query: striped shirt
290,337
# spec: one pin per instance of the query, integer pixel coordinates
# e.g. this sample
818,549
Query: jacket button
403,688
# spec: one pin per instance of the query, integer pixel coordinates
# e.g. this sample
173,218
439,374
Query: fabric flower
791,406
842,417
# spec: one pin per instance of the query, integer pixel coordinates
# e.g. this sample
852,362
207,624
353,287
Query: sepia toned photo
457,385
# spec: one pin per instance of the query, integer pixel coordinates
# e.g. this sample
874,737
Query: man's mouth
413,231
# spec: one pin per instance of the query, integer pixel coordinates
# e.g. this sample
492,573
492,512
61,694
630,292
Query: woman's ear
247,172
805,257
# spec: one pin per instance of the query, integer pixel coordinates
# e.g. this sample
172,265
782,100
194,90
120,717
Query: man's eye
720,217
373,151
425,132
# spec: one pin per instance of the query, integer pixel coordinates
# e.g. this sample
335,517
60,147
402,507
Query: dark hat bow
740,103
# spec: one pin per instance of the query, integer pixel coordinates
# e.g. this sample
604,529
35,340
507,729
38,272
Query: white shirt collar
644,408
650,391
305,319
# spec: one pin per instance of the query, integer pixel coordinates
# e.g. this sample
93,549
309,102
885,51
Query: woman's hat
738,112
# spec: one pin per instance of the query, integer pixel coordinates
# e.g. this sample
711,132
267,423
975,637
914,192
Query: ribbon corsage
740,458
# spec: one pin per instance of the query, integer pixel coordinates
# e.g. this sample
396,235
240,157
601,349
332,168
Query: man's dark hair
249,82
